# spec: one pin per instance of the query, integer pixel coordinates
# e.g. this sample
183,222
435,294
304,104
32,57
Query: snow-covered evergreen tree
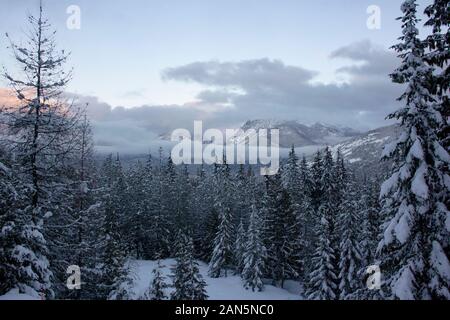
158,286
280,234
87,216
239,247
295,179
40,131
323,280
254,254
350,261
187,281
222,256
438,56
371,220
414,247
113,252
23,264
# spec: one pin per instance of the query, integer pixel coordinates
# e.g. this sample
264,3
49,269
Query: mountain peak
293,133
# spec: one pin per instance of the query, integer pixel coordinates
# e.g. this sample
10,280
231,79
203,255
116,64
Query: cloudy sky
149,66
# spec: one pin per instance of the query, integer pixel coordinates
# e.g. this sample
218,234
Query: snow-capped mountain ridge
365,150
293,133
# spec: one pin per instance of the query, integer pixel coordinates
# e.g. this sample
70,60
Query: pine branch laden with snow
414,196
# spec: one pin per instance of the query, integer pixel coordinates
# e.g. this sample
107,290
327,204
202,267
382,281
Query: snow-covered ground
15,295
226,288
229,288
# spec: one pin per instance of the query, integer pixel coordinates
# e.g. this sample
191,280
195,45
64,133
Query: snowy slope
15,295
229,288
366,148
293,133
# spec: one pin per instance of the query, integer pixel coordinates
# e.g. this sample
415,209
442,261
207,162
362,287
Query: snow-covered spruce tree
158,285
204,223
414,247
280,233
323,280
40,131
307,220
183,216
291,177
369,234
222,256
239,247
22,265
113,251
241,195
209,231
153,229
340,180
350,261
438,56
8,196
159,229
371,220
254,254
121,200
294,180
316,182
187,281
169,204
143,206
86,215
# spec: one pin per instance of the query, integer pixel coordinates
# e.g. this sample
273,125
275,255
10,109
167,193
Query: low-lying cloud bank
255,89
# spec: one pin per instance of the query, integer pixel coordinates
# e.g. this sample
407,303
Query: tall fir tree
113,253
188,283
280,232
323,280
23,262
239,247
295,180
414,247
350,260
254,254
222,255
438,56
40,131
157,290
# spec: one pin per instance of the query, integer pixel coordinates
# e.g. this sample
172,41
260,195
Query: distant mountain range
367,147
359,149
293,133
